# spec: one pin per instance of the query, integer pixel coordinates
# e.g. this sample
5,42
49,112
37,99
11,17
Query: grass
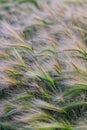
43,54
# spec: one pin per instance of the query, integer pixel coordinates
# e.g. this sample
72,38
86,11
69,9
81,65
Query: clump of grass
45,73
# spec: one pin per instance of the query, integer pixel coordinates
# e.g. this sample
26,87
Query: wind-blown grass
43,74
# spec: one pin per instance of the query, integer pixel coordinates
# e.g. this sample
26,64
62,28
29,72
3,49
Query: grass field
43,64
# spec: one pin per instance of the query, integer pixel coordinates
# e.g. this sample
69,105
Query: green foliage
34,2
43,69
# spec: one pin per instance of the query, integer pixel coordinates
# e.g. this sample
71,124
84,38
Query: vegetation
43,61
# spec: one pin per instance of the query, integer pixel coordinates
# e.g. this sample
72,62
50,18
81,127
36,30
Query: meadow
43,64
